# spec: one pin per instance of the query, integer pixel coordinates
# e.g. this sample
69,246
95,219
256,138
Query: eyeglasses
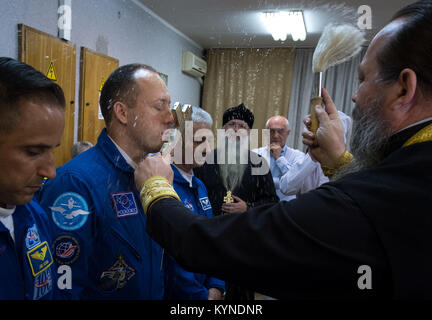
279,131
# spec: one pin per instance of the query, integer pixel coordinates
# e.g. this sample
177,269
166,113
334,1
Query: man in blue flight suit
31,125
179,283
94,204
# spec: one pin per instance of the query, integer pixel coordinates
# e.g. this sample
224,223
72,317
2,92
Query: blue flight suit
179,283
27,268
100,227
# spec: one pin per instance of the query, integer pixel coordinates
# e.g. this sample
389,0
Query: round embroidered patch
70,211
66,249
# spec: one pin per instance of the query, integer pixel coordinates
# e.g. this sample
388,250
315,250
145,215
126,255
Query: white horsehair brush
337,44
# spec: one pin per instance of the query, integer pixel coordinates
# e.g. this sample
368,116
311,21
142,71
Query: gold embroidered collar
423,135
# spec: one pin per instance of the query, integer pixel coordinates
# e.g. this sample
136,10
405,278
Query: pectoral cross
228,198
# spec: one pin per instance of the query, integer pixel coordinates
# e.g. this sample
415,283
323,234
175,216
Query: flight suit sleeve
182,284
70,206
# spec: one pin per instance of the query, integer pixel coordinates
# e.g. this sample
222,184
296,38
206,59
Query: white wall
123,29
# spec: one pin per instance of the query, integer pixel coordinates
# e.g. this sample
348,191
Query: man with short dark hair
364,235
31,125
94,204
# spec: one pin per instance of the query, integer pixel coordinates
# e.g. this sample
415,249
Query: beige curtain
259,78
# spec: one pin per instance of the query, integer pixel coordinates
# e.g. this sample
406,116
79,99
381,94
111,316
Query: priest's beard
235,166
369,138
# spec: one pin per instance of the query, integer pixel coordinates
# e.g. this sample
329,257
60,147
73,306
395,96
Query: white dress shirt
294,172
303,176
281,166
7,220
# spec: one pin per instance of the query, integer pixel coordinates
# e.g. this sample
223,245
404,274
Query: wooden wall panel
55,58
95,70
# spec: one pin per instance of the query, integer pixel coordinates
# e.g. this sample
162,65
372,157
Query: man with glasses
281,158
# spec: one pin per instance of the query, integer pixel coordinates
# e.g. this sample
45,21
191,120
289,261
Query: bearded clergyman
234,178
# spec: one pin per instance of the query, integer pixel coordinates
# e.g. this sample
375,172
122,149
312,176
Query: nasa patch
32,237
66,249
124,204
205,203
70,211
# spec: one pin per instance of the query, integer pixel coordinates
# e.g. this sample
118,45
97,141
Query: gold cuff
155,189
346,158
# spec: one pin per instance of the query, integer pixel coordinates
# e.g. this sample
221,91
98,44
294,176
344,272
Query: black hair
410,46
19,82
120,87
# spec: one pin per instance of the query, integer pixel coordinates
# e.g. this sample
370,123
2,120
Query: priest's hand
238,206
329,135
152,166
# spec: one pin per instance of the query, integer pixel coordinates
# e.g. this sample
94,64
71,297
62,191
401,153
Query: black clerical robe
366,235
254,189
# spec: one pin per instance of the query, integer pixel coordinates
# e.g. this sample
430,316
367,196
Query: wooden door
95,70
56,59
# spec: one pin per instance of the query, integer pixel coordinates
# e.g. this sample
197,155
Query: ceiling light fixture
280,23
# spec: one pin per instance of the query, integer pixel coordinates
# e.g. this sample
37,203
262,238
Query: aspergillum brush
337,44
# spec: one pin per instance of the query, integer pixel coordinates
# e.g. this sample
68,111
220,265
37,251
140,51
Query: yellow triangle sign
51,74
101,85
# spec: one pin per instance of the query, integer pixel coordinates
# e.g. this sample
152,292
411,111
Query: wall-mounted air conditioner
193,65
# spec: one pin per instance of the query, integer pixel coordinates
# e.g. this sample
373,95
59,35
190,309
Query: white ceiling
236,23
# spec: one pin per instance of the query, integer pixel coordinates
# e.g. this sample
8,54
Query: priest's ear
406,89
